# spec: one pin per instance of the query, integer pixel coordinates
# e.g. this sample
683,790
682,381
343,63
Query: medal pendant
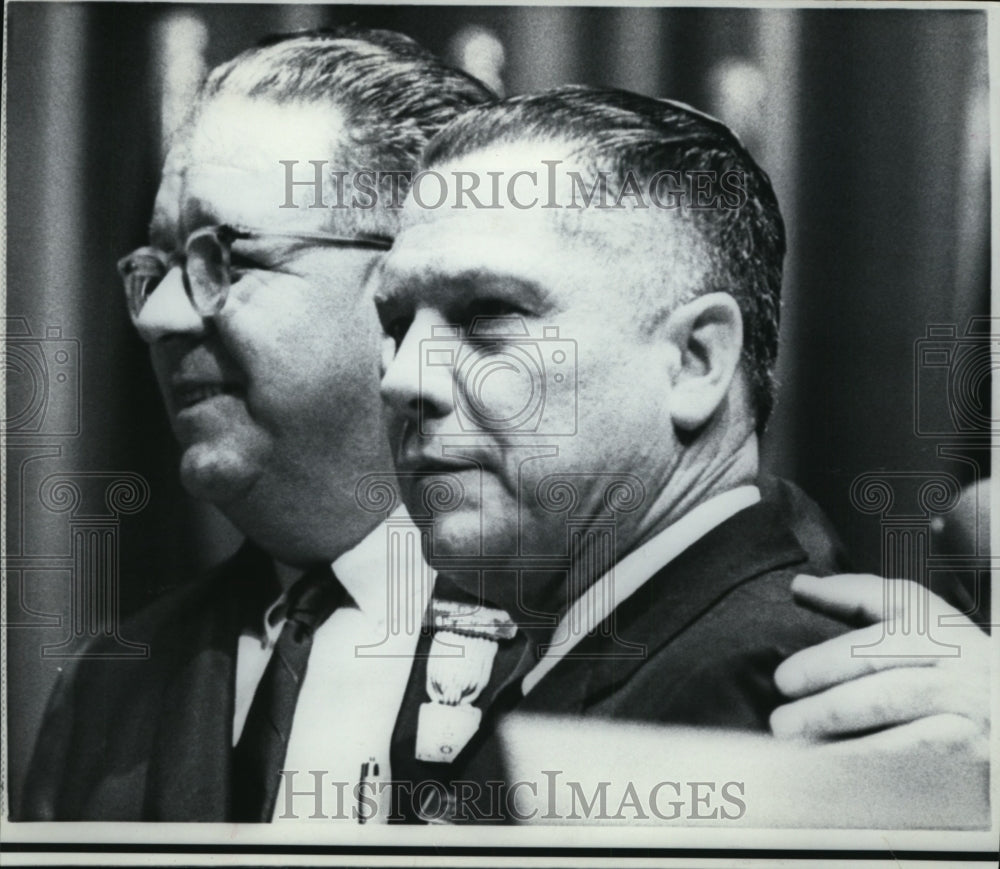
443,731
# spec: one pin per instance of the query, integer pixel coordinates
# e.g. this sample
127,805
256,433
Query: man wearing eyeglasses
265,347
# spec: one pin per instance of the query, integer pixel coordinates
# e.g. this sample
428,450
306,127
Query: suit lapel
190,774
750,543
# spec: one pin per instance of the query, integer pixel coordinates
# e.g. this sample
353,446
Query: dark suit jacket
151,739
712,625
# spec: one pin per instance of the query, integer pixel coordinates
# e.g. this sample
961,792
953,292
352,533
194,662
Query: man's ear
707,333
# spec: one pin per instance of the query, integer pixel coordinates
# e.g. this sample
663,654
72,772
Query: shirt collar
364,571
629,574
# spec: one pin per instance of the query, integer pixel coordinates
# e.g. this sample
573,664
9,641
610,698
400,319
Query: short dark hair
394,94
621,132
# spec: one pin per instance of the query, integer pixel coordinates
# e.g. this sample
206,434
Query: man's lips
189,393
431,459
431,464
439,454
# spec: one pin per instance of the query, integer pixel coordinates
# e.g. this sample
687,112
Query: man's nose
418,381
168,311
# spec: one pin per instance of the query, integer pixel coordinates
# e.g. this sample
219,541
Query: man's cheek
162,370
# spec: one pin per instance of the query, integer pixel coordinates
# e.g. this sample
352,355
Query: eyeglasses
207,261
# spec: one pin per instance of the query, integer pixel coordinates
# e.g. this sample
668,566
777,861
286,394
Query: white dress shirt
358,669
633,571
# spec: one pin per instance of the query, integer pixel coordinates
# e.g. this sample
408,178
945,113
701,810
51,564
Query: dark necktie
259,755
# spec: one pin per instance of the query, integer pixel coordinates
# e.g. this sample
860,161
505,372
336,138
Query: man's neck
702,474
697,482
697,478
308,531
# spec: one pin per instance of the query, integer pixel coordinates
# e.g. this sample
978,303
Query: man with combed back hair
624,528
265,346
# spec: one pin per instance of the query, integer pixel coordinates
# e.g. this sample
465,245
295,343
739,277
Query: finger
945,734
849,656
863,599
857,599
878,700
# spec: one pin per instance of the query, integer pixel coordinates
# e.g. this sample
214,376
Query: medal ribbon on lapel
459,666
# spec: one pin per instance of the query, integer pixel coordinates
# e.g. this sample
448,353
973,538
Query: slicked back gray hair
393,94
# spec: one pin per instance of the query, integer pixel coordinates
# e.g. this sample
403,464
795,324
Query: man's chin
454,535
498,565
219,476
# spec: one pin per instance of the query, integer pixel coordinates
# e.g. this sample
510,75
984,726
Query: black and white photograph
540,434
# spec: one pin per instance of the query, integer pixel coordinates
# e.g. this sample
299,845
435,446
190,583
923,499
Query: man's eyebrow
434,284
198,213
162,232
169,228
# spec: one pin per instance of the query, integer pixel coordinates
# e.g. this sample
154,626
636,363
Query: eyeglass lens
207,272
141,272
